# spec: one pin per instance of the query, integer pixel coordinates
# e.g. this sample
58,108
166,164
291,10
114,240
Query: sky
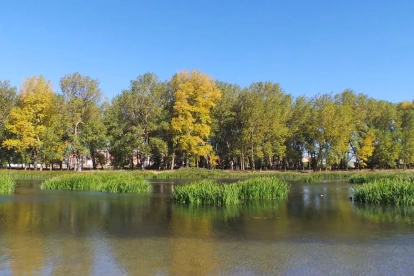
309,47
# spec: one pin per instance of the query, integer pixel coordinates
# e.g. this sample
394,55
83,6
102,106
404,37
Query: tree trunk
79,165
172,161
94,160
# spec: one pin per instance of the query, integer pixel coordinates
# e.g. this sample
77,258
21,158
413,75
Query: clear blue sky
308,46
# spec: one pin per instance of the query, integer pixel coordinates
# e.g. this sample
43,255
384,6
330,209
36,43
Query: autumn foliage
192,120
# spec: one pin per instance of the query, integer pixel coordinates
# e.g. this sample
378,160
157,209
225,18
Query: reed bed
263,188
372,177
37,175
192,173
386,191
7,184
209,192
104,182
199,173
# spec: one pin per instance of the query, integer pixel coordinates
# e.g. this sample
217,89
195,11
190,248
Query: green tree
135,119
225,129
330,129
383,120
82,98
406,114
297,136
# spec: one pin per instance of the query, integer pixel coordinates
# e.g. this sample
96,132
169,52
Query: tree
134,119
330,128
383,120
31,118
195,94
82,97
406,114
8,100
263,111
297,124
225,129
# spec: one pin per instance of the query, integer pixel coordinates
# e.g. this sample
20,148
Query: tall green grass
7,184
378,176
38,175
386,191
209,192
263,188
200,173
192,173
104,182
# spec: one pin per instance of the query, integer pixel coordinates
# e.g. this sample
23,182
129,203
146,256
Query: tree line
191,120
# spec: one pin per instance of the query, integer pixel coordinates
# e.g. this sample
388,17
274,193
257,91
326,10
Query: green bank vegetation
200,173
191,120
209,192
372,177
396,191
193,173
104,182
7,184
384,188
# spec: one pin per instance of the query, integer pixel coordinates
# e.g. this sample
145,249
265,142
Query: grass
104,182
378,176
199,173
386,191
263,188
40,175
209,192
7,184
193,173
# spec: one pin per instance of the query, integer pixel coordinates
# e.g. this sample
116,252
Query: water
317,231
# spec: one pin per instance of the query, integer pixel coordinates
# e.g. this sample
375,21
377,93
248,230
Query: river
318,230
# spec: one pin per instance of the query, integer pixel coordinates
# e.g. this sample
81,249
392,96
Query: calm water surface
92,233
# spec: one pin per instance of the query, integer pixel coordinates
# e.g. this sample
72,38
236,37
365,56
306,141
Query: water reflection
386,214
317,230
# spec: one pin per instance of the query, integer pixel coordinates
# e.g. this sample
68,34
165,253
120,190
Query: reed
385,191
38,175
263,188
104,182
378,176
7,184
199,173
209,192
206,192
192,173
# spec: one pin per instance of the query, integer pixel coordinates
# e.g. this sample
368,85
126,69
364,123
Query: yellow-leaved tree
28,121
195,94
366,149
